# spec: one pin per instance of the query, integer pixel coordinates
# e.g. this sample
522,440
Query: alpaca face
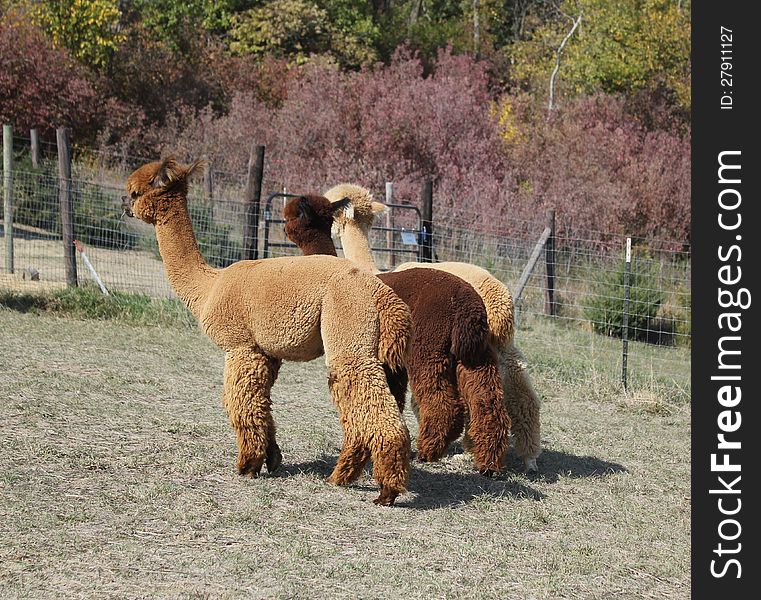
148,189
357,207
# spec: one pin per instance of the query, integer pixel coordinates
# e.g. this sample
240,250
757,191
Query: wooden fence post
34,138
252,199
208,182
67,204
390,242
550,260
426,245
8,196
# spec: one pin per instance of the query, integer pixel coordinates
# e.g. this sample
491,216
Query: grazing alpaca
521,399
294,308
452,368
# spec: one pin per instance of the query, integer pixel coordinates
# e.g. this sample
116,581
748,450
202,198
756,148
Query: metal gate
389,240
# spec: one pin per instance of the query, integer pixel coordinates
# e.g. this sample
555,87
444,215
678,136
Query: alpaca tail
395,322
470,333
500,312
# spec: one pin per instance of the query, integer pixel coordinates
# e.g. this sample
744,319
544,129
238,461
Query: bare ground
117,480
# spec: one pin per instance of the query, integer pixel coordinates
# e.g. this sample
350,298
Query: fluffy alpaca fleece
522,401
452,367
295,308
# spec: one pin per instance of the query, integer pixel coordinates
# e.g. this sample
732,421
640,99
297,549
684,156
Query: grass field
117,480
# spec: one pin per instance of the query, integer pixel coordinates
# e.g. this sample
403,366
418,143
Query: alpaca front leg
249,376
523,406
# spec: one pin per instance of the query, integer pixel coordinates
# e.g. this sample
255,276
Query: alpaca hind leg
480,387
373,427
441,415
249,376
523,406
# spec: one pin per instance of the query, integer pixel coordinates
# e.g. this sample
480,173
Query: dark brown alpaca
453,373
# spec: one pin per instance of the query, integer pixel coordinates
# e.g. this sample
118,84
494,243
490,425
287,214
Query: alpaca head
156,188
308,222
361,208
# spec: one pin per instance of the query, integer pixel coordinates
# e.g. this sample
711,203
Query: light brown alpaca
294,308
521,400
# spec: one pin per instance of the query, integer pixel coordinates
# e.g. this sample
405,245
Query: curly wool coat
452,369
522,401
296,308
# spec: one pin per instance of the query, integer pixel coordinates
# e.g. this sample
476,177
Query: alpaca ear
378,208
171,172
164,175
344,207
194,167
306,212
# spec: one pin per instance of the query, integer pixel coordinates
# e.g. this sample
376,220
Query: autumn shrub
605,172
497,163
41,86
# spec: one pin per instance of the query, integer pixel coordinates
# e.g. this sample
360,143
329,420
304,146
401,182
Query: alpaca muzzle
127,206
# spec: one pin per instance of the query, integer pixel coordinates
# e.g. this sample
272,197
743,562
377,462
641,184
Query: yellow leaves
87,28
622,46
504,113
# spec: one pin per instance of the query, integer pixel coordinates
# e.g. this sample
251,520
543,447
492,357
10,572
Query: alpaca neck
356,246
319,245
188,273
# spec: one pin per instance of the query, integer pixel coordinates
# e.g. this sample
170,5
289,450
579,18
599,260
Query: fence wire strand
588,283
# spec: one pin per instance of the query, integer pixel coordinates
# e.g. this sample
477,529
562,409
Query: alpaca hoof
334,479
274,458
386,498
488,472
427,456
250,467
530,465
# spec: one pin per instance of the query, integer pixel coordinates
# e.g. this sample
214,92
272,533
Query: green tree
88,29
623,46
296,29
173,21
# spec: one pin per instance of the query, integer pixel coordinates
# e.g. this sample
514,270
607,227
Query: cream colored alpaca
522,401
295,308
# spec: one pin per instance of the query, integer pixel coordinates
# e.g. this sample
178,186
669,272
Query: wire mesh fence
575,295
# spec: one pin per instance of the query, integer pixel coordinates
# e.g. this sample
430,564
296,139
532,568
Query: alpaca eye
134,195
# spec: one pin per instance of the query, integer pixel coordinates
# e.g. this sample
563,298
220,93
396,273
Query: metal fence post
8,196
34,140
549,257
252,200
390,242
625,328
426,242
67,204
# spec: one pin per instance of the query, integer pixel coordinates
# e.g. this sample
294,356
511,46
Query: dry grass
117,481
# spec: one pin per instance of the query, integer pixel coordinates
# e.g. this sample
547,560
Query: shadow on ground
553,464
432,486
435,486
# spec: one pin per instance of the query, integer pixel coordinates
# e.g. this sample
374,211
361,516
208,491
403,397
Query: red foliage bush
594,161
604,171
41,86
